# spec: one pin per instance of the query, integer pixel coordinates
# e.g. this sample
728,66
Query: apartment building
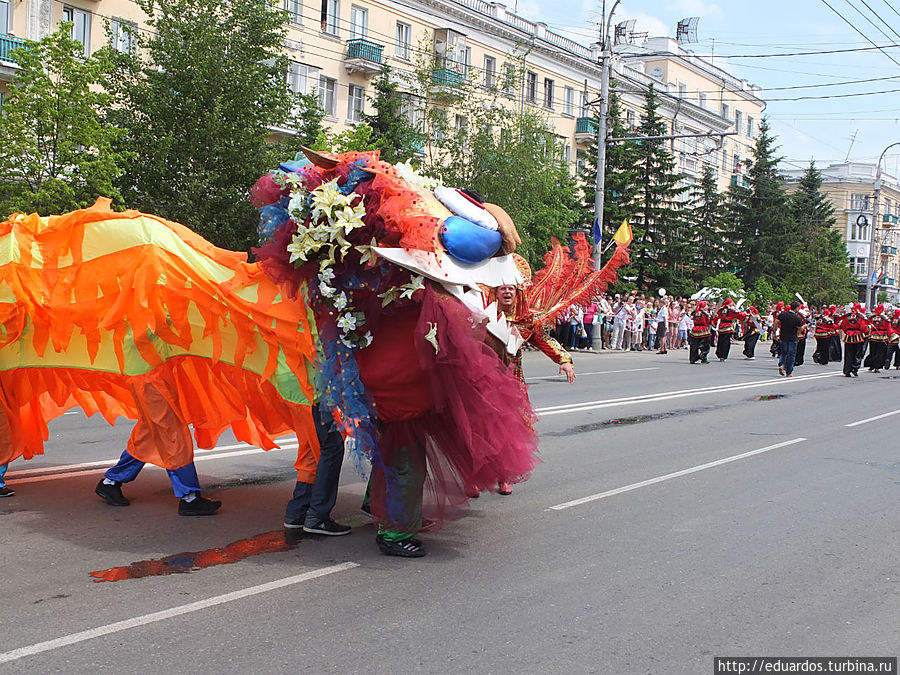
337,48
850,186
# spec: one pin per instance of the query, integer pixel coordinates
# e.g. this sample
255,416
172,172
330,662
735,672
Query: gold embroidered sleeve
550,347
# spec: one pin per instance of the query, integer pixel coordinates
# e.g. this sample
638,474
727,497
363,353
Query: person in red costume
823,332
879,333
893,352
854,327
700,334
725,318
752,327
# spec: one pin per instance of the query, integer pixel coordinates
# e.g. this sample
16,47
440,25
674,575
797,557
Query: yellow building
850,187
337,47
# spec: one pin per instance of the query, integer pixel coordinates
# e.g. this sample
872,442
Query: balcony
585,130
889,220
7,44
890,250
446,82
363,56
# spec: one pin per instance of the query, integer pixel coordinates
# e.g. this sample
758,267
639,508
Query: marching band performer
854,327
700,334
725,318
837,315
823,331
879,331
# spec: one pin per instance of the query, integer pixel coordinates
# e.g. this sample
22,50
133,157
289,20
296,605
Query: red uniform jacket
726,318
854,327
879,329
701,323
824,327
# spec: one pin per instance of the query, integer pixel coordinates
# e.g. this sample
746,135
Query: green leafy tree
392,131
763,228
708,214
819,268
357,138
56,155
761,294
660,241
621,179
198,101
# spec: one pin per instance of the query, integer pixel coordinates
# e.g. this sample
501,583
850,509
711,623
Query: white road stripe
664,396
599,372
669,476
108,463
872,419
74,638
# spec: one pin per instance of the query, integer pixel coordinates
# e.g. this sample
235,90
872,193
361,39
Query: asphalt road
675,517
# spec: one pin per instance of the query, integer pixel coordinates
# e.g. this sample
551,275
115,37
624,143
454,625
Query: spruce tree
621,180
658,249
819,265
708,214
764,229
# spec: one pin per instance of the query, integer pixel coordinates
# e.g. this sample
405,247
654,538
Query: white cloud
644,23
701,8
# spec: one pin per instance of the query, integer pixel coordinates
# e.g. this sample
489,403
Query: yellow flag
623,235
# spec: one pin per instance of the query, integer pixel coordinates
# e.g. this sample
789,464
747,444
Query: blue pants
2,474
312,502
788,356
184,480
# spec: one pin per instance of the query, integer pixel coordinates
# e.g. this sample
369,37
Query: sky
853,123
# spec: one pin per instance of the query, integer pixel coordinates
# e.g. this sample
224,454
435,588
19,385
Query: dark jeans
312,502
788,356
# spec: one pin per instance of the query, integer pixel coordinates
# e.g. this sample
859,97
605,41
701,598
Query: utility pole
605,66
870,268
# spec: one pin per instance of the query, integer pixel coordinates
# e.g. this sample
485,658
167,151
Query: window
466,60
859,229
701,99
630,118
548,93
566,153
509,80
81,28
580,161
5,17
356,103
120,36
411,107
294,8
531,87
403,41
750,127
569,103
327,87
724,158
860,202
726,111
858,266
461,124
737,163
301,79
584,110
331,10
682,90
359,22
738,121
490,71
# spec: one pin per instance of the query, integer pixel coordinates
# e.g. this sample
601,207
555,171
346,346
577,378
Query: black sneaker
293,525
200,506
408,548
327,527
111,494
7,492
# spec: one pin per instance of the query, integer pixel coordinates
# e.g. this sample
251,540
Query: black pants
750,345
835,352
775,349
801,352
823,350
877,355
853,352
699,348
893,353
723,345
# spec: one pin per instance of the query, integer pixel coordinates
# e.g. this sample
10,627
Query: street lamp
871,266
600,185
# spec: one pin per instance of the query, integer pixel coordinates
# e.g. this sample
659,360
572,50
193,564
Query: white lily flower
346,322
340,301
327,290
326,274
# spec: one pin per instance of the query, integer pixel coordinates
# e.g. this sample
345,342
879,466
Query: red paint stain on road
182,563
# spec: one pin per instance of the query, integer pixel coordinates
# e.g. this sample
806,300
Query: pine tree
658,250
764,229
819,266
708,214
392,131
621,180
